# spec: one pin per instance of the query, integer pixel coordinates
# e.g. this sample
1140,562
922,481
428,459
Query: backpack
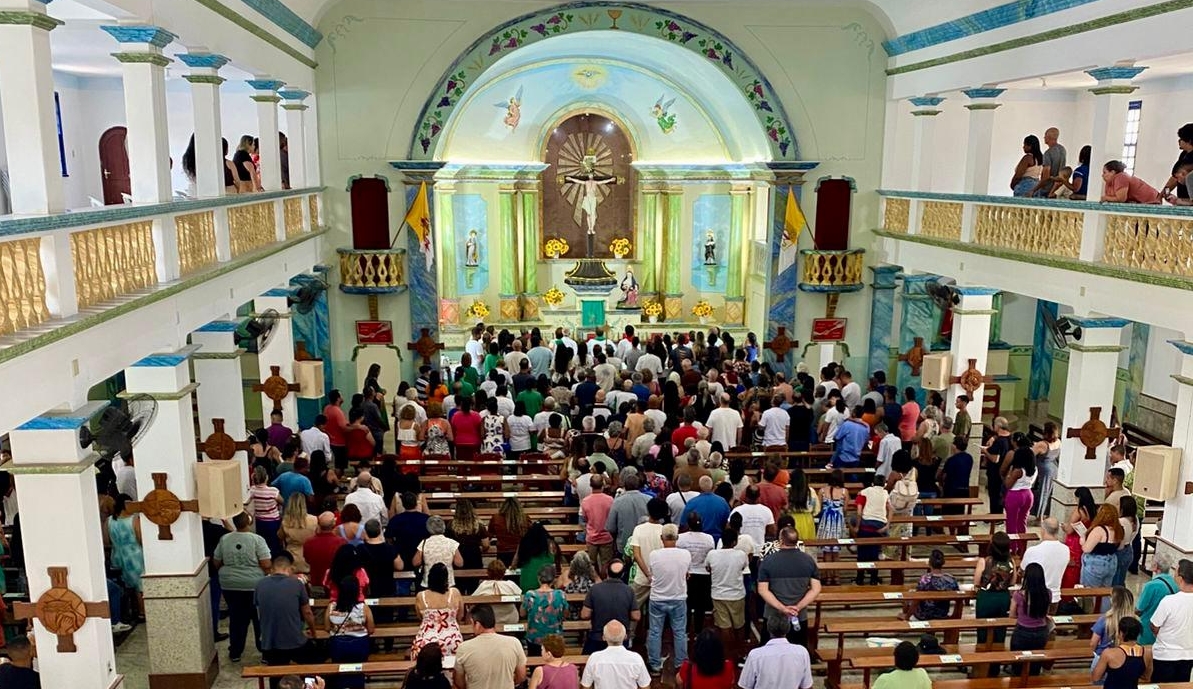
905,494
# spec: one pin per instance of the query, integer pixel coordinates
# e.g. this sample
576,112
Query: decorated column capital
983,98
141,43
293,94
204,67
265,89
1115,79
885,276
34,16
926,106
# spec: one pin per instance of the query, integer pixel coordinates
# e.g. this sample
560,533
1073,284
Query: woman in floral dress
493,426
834,502
441,608
546,608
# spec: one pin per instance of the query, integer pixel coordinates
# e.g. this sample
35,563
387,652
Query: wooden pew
905,543
408,601
897,568
521,496
451,479
395,669
868,663
409,631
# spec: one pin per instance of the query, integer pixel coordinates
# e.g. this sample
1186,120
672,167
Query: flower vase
618,256
703,320
652,319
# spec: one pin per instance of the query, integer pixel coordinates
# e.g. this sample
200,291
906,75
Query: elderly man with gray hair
616,667
1160,586
370,503
1051,554
627,510
438,548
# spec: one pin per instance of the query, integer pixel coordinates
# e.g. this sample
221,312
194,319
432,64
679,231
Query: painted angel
661,111
513,110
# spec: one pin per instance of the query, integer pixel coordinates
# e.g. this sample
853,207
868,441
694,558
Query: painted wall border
255,29
976,23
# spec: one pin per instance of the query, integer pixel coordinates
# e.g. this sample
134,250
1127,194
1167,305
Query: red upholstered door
370,213
834,199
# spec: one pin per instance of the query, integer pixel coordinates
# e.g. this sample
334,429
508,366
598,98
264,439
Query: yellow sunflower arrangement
556,247
478,310
702,309
620,246
553,296
653,309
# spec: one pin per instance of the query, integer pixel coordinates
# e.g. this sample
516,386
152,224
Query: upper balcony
1128,260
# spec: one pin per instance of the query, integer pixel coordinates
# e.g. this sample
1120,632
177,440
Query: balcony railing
54,266
831,271
372,271
1131,241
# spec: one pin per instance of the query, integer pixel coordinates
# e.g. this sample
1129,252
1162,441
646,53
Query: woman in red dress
1082,515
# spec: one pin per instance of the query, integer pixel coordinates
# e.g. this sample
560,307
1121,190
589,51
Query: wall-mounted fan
943,294
1062,329
116,430
255,333
306,297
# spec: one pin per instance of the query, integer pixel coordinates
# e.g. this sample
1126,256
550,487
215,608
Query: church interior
350,222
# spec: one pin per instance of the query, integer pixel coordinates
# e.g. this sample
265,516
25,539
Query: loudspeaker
220,493
309,375
936,371
1157,472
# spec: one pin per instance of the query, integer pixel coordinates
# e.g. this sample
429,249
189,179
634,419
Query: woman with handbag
349,625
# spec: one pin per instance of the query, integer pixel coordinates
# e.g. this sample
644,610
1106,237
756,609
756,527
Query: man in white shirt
625,344
833,417
126,477
725,567
757,520
888,445
678,499
411,399
616,667
370,504
513,360
543,418
616,397
774,423
563,335
725,424
668,599
1172,654
850,390
1051,554
314,438
475,348
649,361
1118,460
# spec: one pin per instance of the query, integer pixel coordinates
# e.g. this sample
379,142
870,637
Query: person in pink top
595,511
466,427
337,423
911,415
1123,188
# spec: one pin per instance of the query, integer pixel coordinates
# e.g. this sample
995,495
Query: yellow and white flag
419,220
794,223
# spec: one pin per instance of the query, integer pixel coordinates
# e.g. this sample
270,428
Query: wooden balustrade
941,219
22,285
292,214
372,270
896,215
1030,229
196,241
831,271
314,207
1162,245
113,261
251,227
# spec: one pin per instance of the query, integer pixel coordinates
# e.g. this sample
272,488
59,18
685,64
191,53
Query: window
1131,136
61,140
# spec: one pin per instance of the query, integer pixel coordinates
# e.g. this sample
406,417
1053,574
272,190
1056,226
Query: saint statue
629,291
710,249
471,250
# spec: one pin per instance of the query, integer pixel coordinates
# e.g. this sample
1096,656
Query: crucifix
220,445
780,345
60,610
162,507
276,388
971,379
914,357
425,346
1093,433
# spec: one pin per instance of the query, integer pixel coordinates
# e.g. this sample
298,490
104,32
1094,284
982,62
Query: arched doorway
113,164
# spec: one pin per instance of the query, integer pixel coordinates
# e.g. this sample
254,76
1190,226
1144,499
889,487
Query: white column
971,340
177,596
144,69
205,98
825,353
279,351
221,386
1093,364
981,134
266,97
1113,93
27,91
296,136
923,141
60,527
1176,530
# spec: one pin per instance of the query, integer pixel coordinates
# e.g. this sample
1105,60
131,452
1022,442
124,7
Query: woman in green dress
536,550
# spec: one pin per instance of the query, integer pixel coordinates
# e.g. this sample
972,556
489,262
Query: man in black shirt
611,599
992,457
19,673
799,431
953,477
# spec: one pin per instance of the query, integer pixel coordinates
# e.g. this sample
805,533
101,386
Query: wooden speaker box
220,493
309,375
936,371
1157,472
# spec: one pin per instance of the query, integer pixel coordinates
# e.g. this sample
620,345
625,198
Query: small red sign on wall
375,332
828,329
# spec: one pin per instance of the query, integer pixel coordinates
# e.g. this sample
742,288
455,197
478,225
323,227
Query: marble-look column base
1174,552
179,629
735,311
1064,498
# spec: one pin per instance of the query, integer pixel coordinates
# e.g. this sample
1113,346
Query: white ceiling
1157,68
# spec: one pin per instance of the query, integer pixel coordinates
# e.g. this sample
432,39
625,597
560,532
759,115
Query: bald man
321,548
616,667
370,504
1054,160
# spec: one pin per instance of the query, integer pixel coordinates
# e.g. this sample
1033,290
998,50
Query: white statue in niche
710,249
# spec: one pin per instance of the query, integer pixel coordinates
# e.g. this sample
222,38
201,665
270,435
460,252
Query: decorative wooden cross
276,387
914,357
971,379
425,345
1093,433
781,344
61,611
163,507
220,445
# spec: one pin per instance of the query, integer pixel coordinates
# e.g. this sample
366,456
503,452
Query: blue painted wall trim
926,101
153,35
218,327
977,291
983,93
265,84
285,19
976,23
1088,323
53,423
1185,347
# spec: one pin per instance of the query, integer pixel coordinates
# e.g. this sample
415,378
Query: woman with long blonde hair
246,170
297,527
1105,630
508,526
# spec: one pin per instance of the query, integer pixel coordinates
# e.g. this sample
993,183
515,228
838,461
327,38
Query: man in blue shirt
954,474
712,508
848,442
406,531
294,481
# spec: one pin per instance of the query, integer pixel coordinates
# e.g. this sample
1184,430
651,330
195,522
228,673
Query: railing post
223,234
915,215
165,249
1093,236
62,300
969,219
279,219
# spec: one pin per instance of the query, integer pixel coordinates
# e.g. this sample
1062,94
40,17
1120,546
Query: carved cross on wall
61,611
276,387
163,507
1093,433
781,344
220,445
971,379
914,357
425,346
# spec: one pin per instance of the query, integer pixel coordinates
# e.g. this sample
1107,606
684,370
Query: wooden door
113,164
